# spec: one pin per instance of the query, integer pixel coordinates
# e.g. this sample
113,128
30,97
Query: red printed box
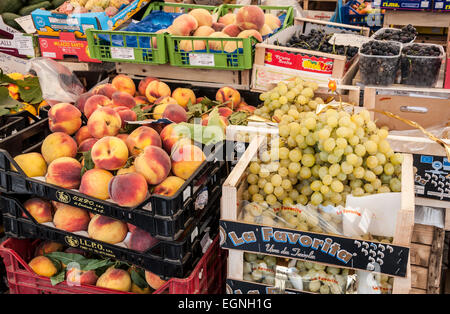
65,45
300,62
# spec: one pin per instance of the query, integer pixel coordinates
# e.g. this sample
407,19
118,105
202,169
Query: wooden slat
435,263
418,291
420,254
423,234
419,276
403,285
417,18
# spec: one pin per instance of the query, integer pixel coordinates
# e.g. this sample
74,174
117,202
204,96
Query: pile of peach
125,164
97,227
249,21
112,278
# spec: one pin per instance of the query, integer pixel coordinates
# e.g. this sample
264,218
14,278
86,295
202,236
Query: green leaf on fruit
239,118
140,114
66,258
88,162
7,103
30,90
94,264
58,278
138,278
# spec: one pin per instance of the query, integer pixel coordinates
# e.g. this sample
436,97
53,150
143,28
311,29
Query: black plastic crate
163,217
11,123
166,258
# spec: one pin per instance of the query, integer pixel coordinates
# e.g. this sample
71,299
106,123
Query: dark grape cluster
379,62
379,48
317,40
404,35
420,64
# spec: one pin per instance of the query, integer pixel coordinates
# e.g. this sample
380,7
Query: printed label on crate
20,46
441,5
299,62
202,59
245,287
65,45
122,53
405,4
343,252
78,201
348,39
431,177
88,245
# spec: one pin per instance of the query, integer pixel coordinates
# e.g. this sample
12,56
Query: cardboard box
65,45
16,43
441,5
48,23
406,4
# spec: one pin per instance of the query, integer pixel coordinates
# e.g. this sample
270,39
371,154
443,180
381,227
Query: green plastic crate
241,59
106,51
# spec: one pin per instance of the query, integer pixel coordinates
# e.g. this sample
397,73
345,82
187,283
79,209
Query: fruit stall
224,147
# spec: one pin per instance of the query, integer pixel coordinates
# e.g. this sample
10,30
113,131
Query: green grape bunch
319,159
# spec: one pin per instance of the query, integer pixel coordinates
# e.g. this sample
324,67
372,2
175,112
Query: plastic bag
441,131
58,83
298,11
298,275
431,216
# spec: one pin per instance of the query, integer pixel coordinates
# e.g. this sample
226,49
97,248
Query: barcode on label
424,4
122,53
49,54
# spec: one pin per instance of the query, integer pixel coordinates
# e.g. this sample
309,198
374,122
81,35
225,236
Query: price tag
122,53
26,22
186,193
11,64
25,45
194,234
348,40
202,59
424,4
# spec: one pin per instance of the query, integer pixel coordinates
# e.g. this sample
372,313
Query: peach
157,89
272,21
64,117
183,25
144,83
64,172
105,89
87,145
82,134
171,134
136,289
154,164
120,99
231,46
246,108
82,100
126,170
218,27
110,153
58,145
141,100
141,240
43,266
95,183
123,137
71,219
128,190
95,102
153,280
186,159
126,114
203,17
142,137
192,45
75,276
175,113
131,227
33,164
228,19
39,209
169,186
104,122
250,33
265,30
165,101
158,111
225,112
115,279
155,39
250,17
228,96
124,84
223,122
183,96
231,30
107,229
217,44
204,31
46,247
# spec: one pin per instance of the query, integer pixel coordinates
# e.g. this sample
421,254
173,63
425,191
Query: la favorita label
300,62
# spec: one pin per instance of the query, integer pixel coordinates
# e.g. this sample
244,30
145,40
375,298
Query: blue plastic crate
350,16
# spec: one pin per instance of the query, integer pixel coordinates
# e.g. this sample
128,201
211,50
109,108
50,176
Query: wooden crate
342,70
427,246
435,101
235,185
199,77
